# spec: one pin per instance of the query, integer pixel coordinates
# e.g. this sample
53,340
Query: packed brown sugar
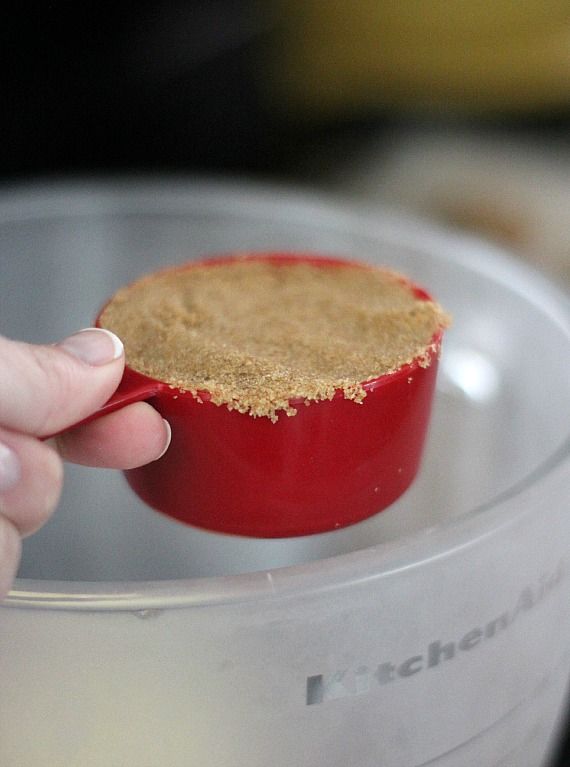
256,334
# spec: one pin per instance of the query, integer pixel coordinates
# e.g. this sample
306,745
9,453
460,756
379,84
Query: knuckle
29,502
58,377
53,484
43,497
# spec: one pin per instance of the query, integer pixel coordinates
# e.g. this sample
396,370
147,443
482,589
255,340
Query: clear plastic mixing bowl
437,632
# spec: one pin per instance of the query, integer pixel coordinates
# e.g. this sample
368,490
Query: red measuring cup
332,464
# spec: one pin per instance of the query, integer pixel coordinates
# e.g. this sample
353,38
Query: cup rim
432,349
39,199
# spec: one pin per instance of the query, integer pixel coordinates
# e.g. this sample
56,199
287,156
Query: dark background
184,87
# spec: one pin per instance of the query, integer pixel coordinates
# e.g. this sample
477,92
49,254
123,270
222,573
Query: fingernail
95,346
168,438
10,470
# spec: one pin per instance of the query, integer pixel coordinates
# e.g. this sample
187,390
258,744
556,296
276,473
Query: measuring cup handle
133,387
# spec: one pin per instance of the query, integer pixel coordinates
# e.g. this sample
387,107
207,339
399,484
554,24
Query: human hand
44,390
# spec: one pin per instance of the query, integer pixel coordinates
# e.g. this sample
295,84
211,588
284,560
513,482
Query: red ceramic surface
331,465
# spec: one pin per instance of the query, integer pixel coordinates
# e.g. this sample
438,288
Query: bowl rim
44,199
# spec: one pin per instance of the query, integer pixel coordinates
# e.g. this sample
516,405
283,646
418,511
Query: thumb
45,389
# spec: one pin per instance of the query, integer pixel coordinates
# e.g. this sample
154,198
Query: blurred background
457,110
460,111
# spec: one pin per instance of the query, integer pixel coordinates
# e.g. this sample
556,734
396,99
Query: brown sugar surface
257,334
